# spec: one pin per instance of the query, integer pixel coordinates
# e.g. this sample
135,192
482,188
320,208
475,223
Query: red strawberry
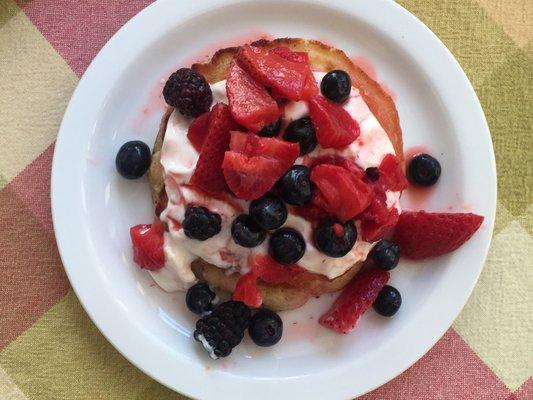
340,161
343,194
249,102
255,163
287,78
355,299
148,241
198,131
424,235
247,291
269,271
334,127
371,231
208,173
310,86
391,173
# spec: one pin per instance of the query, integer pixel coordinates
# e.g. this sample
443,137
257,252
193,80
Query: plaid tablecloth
49,349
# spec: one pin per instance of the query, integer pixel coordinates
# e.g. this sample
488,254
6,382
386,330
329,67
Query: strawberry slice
355,299
269,271
286,77
208,173
334,127
255,163
249,102
340,192
198,131
424,235
310,86
247,291
147,241
391,173
371,231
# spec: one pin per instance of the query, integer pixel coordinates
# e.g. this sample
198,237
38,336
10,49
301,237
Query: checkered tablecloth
49,349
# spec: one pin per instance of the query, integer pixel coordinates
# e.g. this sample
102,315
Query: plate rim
59,176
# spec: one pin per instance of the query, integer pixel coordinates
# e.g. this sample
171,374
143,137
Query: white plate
93,208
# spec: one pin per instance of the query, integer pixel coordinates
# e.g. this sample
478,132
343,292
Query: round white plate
93,208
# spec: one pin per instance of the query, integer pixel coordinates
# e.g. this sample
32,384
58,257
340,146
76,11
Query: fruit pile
247,150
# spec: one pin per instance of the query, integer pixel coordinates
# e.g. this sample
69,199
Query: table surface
49,349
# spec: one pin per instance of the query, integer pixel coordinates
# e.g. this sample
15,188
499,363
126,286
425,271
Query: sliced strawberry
286,77
372,231
340,161
391,173
343,194
247,291
269,271
334,127
355,299
148,241
208,173
198,131
424,235
255,163
250,104
310,86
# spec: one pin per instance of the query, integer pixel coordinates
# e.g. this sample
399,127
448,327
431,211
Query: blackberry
189,92
200,223
223,329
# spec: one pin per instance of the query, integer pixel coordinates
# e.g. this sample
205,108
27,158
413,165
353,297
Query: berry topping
246,232
286,246
189,92
377,221
208,173
392,176
147,242
200,223
268,211
295,186
270,271
423,170
424,235
386,255
246,290
341,192
310,86
199,298
388,301
198,131
223,329
133,159
301,131
335,239
271,130
334,127
250,104
336,86
372,174
255,163
355,299
286,78
265,328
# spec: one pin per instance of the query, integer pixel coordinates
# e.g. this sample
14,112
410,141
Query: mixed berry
248,150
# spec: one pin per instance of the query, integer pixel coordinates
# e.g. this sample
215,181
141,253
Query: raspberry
223,329
189,92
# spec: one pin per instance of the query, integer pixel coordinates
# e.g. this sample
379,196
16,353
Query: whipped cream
179,158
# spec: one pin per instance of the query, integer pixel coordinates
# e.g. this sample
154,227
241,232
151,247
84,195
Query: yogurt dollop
179,158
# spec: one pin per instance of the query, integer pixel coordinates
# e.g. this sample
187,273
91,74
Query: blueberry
266,328
199,298
286,246
200,223
269,212
301,131
336,86
372,174
386,255
388,301
423,170
246,232
335,239
271,130
295,186
133,159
